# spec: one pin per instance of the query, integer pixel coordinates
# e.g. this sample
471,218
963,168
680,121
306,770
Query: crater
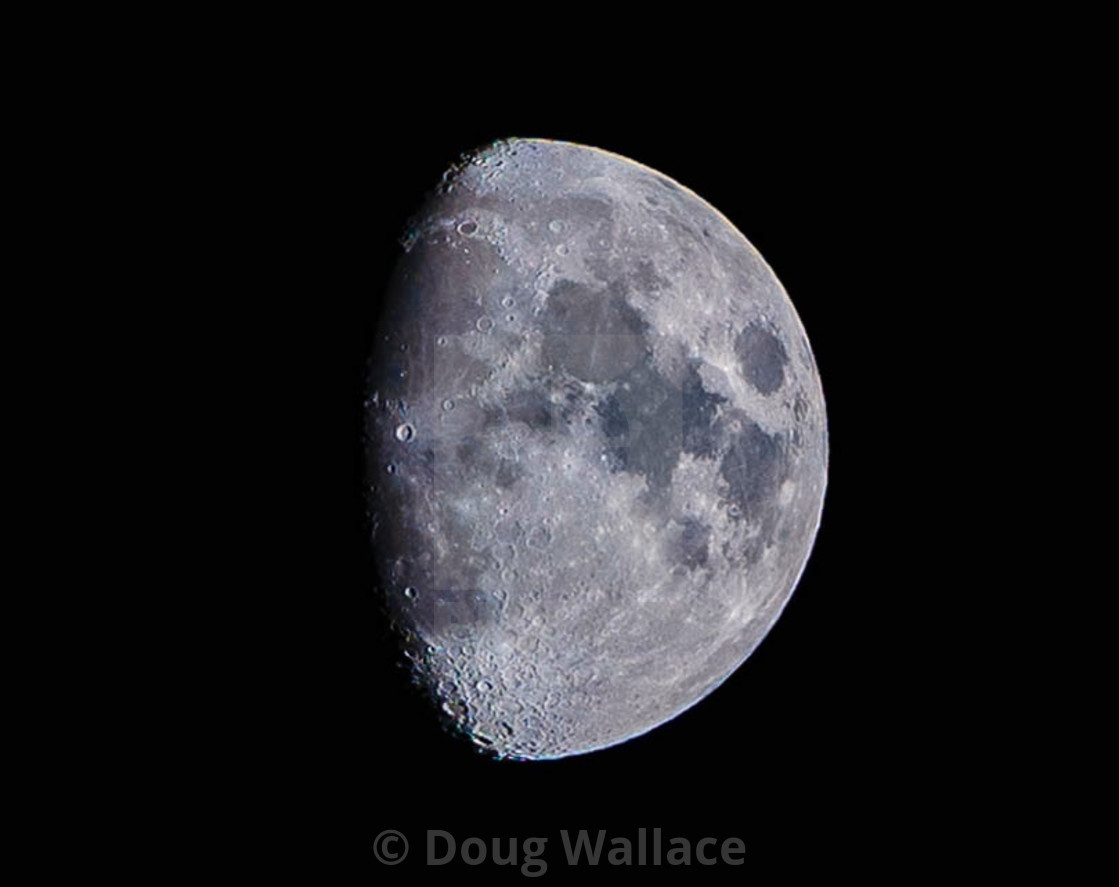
762,358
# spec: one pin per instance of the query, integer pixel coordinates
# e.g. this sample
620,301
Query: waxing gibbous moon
597,448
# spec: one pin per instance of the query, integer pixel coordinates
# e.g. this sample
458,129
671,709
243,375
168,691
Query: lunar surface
597,448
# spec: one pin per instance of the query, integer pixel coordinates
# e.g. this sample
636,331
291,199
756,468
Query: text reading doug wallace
533,855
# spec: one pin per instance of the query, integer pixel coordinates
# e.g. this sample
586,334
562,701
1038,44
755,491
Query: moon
597,448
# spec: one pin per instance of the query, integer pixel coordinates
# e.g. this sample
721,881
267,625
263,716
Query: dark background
840,732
